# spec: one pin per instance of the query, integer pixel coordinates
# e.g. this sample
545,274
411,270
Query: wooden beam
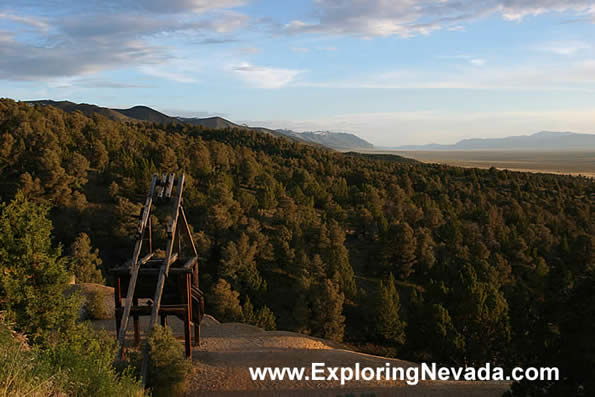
190,263
161,187
172,259
188,317
136,324
167,309
170,185
140,262
168,255
188,232
163,271
150,235
135,266
118,303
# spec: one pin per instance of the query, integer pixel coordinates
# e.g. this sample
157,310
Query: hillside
144,113
544,140
424,262
215,123
86,109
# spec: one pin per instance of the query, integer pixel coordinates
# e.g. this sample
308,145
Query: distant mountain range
333,140
336,140
545,140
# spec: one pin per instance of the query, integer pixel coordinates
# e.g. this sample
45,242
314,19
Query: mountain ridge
332,140
336,140
543,140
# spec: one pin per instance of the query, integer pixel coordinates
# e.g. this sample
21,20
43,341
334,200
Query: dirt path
221,362
221,367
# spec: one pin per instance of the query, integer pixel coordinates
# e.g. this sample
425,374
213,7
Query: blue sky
394,72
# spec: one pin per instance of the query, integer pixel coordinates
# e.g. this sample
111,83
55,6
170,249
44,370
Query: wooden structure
160,286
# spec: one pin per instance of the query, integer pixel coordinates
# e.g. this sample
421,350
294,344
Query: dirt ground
221,362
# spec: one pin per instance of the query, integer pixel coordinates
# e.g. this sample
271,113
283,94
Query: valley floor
573,162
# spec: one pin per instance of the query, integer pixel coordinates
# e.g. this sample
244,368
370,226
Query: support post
118,303
188,316
136,324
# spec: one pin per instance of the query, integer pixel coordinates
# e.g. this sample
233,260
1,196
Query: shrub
168,367
85,357
225,302
263,318
34,276
75,364
22,373
97,309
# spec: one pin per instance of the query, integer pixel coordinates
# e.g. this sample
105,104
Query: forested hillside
424,262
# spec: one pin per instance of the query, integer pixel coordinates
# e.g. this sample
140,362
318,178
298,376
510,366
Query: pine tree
265,319
336,256
389,326
399,250
327,310
239,266
445,342
85,263
33,277
225,302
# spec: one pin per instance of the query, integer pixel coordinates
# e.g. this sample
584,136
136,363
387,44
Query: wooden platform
181,296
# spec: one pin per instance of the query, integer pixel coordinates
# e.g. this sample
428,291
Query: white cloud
73,39
264,77
475,61
199,6
578,75
406,18
457,28
178,70
567,48
38,23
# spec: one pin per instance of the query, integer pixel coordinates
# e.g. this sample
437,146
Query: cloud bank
406,18
63,38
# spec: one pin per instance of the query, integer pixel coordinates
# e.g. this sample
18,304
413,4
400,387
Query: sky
395,72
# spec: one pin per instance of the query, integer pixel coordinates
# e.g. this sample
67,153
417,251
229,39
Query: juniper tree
33,277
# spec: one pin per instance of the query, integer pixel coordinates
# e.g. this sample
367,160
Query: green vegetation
65,357
74,364
34,277
85,263
490,266
96,307
168,366
85,359
22,372
389,326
